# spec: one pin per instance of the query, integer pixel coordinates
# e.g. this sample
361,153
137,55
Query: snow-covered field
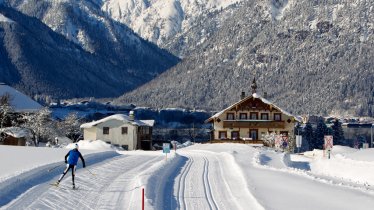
200,176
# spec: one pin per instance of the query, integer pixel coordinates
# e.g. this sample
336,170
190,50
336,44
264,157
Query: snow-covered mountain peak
158,20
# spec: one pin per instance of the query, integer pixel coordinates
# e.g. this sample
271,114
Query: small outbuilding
121,130
14,136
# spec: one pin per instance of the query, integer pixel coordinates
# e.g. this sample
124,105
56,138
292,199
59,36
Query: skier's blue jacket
74,155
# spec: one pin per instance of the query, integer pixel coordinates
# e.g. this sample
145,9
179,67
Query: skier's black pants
68,166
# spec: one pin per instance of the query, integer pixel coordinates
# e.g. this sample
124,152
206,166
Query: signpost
284,142
278,141
299,141
329,143
166,149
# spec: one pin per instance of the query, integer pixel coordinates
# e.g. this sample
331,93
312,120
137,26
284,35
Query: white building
122,130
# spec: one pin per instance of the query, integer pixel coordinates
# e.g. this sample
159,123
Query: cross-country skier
72,161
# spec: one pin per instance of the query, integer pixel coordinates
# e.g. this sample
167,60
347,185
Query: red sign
329,143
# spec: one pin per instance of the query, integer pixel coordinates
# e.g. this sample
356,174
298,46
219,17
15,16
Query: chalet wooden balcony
253,124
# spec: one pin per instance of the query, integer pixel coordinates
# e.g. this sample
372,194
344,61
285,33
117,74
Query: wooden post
142,198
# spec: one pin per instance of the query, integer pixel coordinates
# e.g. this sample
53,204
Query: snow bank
345,163
159,182
91,145
179,145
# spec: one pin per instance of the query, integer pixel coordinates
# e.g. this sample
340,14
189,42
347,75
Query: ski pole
51,169
90,172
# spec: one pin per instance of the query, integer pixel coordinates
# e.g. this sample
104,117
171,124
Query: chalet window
230,116
235,135
124,130
264,116
222,135
254,115
243,116
105,130
277,116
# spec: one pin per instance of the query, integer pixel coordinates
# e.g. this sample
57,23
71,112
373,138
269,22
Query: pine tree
338,133
308,135
298,129
320,133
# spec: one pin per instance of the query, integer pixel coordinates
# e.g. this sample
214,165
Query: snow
278,7
199,176
19,101
16,132
346,163
158,20
5,19
91,145
119,117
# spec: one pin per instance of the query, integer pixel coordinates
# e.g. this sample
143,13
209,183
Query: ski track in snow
112,187
205,183
191,179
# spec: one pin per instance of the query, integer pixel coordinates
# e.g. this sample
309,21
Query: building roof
254,95
16,132
119,117
19,101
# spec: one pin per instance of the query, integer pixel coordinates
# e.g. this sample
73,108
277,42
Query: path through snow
113,187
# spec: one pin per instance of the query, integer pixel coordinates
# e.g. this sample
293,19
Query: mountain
311,57
160,20
73,49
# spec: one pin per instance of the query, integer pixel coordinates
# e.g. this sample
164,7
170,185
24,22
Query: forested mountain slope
311,57
69,48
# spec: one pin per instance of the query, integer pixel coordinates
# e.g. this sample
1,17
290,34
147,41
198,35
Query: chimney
242,96
131,115
265,94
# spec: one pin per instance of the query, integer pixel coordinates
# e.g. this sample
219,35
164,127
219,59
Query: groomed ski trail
112,187
205,183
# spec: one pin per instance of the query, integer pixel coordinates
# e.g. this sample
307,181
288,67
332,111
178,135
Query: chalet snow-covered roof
16,132
119,117
19,101
254,95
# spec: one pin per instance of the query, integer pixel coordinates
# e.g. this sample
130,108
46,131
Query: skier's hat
76,146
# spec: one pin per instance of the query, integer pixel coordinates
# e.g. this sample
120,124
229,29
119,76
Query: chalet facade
121,130
251,119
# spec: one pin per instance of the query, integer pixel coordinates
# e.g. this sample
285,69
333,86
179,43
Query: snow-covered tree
269,139
5,110
40,125
70,126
